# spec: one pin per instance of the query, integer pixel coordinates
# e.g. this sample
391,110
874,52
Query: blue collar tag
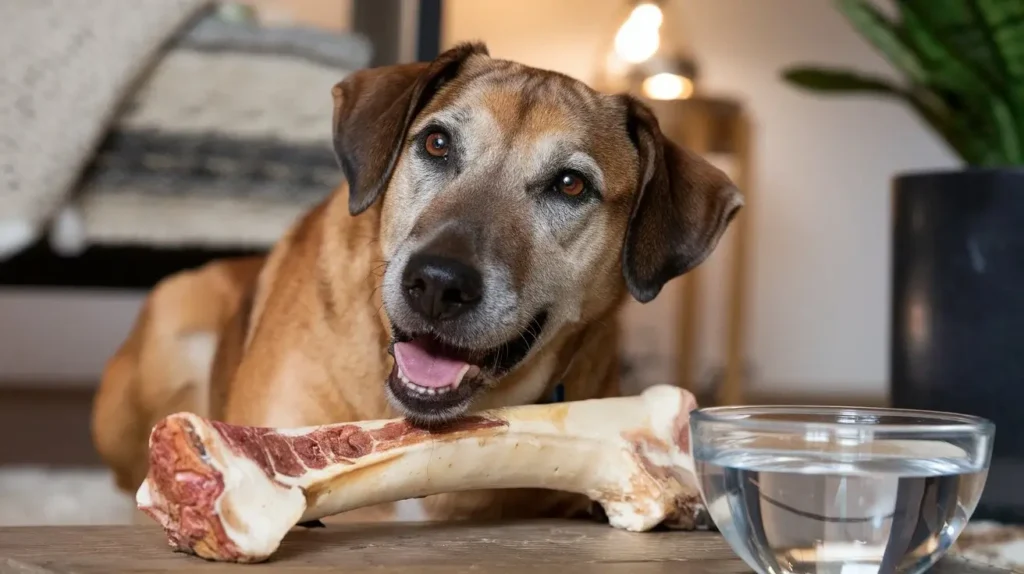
557,396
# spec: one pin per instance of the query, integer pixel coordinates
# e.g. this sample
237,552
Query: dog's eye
437,144
570,184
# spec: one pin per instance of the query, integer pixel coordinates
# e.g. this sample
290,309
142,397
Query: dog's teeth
424,390
462,374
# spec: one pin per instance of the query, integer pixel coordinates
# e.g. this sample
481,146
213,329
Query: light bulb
636,42
638,38
668,86
647,14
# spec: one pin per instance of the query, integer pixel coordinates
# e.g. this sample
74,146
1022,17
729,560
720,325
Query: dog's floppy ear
373,109
682,209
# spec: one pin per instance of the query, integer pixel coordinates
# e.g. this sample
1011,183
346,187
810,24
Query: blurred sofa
216,144
222,145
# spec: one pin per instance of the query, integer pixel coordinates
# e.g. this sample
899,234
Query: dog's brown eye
437,144
570,184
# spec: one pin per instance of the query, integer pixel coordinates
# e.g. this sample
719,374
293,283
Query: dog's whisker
379,269
526,340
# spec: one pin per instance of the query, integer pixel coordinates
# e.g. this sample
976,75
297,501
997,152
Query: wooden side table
535,547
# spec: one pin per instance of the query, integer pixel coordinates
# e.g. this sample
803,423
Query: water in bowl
886,513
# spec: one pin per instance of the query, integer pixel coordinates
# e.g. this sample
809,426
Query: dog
493,220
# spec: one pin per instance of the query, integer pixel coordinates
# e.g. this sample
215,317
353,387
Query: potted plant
957,327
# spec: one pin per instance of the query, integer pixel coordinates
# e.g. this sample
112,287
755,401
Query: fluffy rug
70,497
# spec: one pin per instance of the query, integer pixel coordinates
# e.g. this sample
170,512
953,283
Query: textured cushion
224,144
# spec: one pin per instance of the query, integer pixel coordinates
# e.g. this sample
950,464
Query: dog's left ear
373,109
682,209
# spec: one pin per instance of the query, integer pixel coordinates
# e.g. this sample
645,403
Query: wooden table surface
452,548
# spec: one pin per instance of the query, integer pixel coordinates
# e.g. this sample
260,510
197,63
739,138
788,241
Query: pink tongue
425,369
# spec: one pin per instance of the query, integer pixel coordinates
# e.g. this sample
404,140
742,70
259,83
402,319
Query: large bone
231,493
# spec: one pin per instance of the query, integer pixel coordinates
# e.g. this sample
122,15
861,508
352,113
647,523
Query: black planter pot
957,339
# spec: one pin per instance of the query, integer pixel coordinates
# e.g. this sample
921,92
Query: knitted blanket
161,122
64,67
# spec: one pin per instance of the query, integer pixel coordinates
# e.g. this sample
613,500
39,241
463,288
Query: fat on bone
231,493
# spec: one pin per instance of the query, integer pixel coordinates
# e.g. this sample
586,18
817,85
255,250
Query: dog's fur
304,336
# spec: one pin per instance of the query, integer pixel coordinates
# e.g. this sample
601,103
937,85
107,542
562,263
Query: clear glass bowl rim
945,422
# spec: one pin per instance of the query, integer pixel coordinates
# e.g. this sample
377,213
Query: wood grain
452,548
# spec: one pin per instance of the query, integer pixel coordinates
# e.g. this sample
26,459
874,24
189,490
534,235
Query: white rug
35,496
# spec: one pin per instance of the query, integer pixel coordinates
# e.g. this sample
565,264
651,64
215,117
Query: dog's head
516,202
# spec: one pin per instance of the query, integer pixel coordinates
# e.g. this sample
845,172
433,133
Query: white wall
822,208
58,336
821,211
563,35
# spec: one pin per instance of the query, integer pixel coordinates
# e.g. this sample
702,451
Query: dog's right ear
373,109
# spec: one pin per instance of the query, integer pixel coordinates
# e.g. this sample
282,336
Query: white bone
210,487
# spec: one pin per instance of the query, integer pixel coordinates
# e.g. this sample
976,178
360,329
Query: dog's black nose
440,287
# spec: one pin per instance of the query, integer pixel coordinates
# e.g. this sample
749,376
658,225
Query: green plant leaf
1007,130
962,27
1004,26
981,97
987,35
975,48
945,69
1004,20
832,80
883,34
973,147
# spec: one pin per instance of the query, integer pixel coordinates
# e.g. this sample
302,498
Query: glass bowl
836,490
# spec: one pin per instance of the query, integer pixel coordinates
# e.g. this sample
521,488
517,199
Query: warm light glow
647,14
667,86
635,43
638,38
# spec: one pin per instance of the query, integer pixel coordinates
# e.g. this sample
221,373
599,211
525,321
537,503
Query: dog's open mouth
433,381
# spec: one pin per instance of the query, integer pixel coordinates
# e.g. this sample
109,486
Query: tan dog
495,218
